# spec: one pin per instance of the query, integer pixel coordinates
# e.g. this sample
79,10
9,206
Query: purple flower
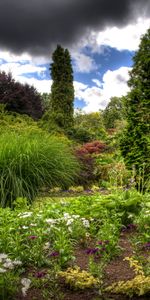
92,251
32,237
40,274
131,226
54,254
103,249
147,245
88,251
128,227
100,242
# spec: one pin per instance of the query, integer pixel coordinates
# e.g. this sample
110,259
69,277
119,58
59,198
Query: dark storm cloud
35,26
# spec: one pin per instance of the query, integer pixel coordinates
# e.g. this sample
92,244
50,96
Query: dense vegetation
135,144
74,201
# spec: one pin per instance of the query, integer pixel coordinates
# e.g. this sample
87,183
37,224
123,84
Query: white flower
75,216
25,214
8,265
69,222
86,223
2,270
8,260
24,291
46,246
66,216
26,282
17,262
25,227
3,256
50,221
33,225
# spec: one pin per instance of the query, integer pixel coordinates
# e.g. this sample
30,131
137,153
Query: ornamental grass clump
30,161
78,279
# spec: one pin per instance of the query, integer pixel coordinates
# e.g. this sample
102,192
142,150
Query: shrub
95,147
86,155
30,161
16,122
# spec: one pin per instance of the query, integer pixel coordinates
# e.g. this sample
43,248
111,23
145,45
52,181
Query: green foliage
111,170
46,101
113,112
62,90
88,127
135,143
30,161
15,122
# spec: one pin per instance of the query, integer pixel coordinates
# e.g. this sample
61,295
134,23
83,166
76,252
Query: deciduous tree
20,98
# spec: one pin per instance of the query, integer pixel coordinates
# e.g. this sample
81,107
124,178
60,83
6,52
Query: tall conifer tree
62,90
135,144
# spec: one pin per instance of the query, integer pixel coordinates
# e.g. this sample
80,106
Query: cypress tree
62,90
135,143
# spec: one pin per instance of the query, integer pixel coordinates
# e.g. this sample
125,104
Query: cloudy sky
102,36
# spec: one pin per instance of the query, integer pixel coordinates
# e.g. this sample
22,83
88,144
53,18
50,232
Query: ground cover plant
43,246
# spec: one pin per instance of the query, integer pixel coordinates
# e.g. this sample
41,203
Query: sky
101,35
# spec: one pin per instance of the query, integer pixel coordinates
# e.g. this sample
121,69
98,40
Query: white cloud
97,82
19,70
79,88
10,57
42,86
125,38
114,84
82,62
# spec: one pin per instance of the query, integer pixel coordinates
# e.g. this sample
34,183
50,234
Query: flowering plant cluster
45,236
99,250
7,263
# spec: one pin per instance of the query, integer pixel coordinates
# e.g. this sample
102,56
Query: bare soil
116,270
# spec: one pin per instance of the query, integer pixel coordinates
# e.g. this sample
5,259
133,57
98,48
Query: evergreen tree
62,90
135,144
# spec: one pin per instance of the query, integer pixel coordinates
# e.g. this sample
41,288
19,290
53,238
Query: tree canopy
113,112
19,98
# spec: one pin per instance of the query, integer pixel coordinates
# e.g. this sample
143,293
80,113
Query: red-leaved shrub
86,156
